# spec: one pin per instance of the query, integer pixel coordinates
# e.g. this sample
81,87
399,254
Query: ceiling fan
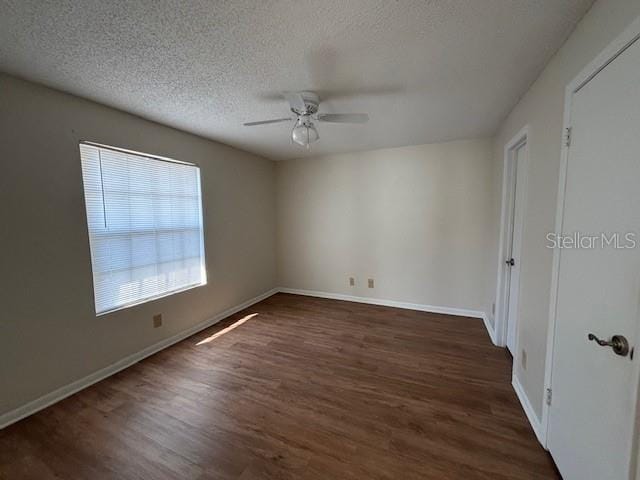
304,106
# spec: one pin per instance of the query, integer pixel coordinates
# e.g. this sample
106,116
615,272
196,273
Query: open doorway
513,199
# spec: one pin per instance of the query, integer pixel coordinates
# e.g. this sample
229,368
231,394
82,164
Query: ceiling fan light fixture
304,105
304,133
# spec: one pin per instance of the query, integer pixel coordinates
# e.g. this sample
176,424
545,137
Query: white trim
490,329
506,218
613,50
535,422
387,303
67,390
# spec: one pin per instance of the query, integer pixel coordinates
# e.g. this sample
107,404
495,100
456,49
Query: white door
518,159
591,417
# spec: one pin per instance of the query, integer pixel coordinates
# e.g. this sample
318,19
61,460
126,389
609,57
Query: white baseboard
490,330
535,422
67,390
387,303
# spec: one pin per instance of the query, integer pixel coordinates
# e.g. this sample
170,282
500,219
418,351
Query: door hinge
568,137
548,398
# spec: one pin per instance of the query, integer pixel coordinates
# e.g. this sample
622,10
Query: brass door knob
618,343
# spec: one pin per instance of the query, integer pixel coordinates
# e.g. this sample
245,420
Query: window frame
168,293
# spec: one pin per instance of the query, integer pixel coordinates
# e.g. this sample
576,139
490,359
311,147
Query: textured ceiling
424,70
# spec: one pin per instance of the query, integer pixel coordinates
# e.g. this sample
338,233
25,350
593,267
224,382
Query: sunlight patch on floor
227,329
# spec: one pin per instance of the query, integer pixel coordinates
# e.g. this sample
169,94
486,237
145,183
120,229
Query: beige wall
49,334
542,109
419,220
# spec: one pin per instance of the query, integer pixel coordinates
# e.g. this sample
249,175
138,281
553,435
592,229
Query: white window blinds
145,226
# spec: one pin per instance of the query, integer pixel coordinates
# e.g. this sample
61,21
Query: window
145,226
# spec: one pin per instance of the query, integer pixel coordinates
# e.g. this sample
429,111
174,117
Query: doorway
592,375
516,156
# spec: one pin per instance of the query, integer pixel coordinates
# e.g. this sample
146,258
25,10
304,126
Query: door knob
618,343
511,262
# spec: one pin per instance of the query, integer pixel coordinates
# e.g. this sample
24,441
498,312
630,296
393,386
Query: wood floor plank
308,388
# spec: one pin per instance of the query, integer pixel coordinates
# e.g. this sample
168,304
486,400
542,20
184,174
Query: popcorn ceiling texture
425,70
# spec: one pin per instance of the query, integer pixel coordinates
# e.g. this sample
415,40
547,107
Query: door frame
629,36
507,217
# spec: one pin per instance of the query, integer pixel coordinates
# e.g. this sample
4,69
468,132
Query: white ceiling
425,70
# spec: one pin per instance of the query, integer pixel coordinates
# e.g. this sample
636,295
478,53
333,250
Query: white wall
419,220
542,109
49,334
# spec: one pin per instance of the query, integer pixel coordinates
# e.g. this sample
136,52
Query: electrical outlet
157,320
352,281
370,283
524,359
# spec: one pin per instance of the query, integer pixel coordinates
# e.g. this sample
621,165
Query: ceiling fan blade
343,117
295,101
265,122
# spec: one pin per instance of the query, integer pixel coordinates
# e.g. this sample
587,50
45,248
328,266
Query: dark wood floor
306,389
